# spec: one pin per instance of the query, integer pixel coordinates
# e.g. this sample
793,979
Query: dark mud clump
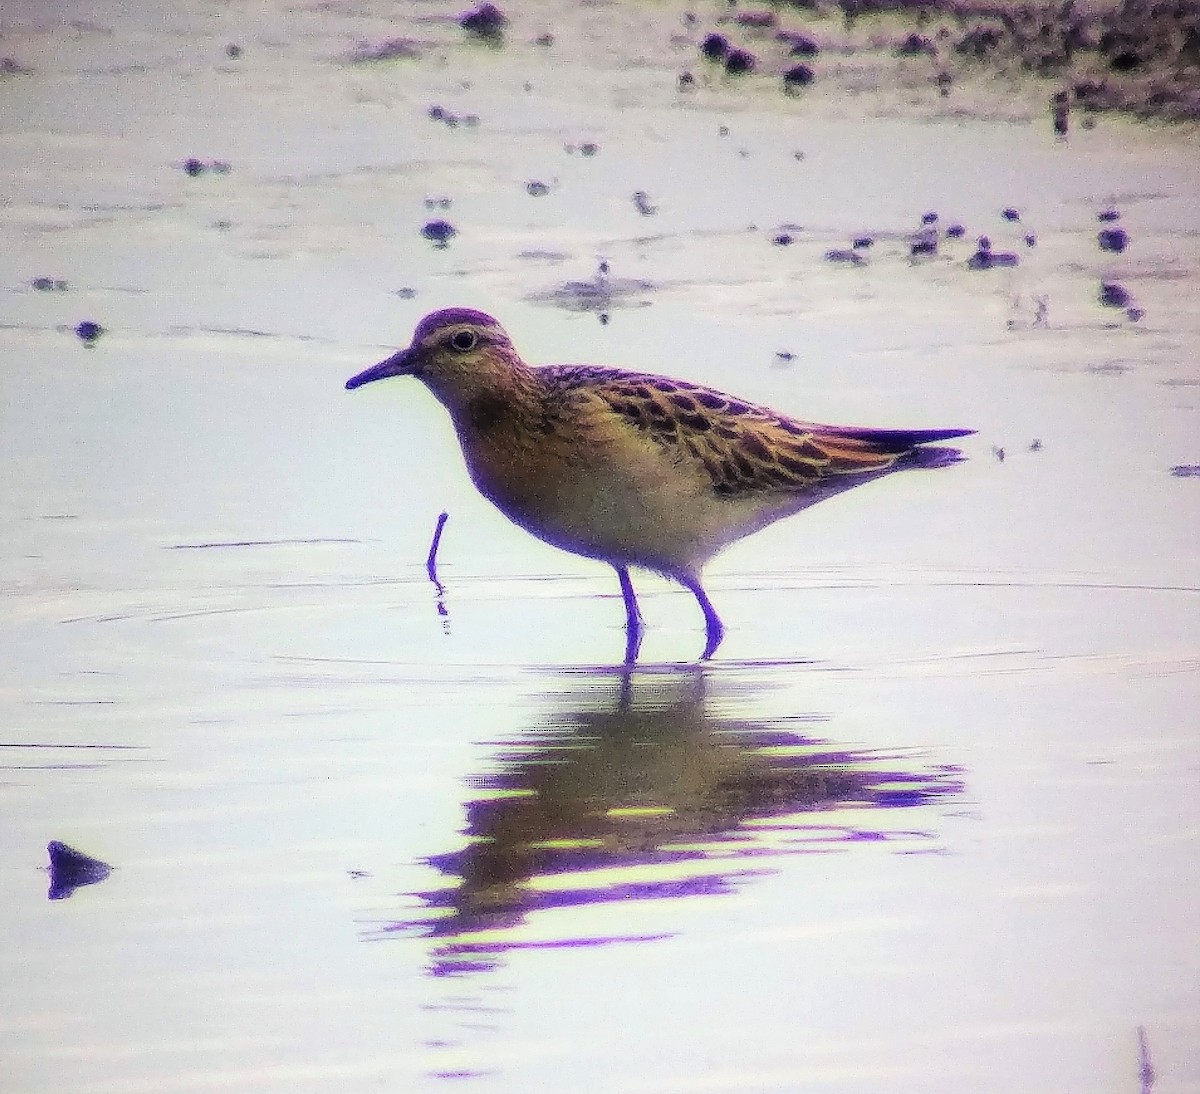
916,45
757,20
643,204
451,120
740,61
924,241
796,77
486,21
194,168
714,47
88,332
71,870
1113,239
798,44
439,232
985,258
1114,295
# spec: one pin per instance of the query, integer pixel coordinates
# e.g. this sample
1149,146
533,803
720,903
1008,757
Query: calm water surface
929,822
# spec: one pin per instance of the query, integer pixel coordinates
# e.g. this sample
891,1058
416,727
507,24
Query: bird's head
456,353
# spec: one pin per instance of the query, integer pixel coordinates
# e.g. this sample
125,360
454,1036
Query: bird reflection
637,785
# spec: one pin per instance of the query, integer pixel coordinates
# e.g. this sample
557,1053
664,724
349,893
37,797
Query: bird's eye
464,340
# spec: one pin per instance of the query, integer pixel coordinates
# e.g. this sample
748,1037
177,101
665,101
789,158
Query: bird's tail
929,458
908,444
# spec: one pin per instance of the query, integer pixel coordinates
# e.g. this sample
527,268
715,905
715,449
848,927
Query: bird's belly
638,511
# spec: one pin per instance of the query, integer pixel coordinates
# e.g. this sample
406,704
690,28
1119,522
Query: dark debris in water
916,45
1113,239
439,232
71,870
194,168
738,62
601,294
587,149
389,49
714,47
486,21
985,258
923,243
797,76
89,332
798,44
845,257
450,119
643,204
1114,295
757,20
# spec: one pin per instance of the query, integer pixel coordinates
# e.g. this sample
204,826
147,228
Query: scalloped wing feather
742,448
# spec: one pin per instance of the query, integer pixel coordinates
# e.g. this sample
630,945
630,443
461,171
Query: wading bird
630,468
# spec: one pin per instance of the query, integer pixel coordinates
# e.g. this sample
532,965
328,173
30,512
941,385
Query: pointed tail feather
929,458
896,440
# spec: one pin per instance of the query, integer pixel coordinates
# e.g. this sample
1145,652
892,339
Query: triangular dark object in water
71,869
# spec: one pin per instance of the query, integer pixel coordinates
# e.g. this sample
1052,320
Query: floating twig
1145,1066
431,561
431,566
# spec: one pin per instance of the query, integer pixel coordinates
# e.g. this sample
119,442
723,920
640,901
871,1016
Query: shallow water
928,822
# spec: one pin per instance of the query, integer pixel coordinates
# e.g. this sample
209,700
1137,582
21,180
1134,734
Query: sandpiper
630,468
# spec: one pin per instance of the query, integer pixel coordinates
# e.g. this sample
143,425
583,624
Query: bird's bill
399,364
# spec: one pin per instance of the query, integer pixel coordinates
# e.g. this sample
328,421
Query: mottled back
744,448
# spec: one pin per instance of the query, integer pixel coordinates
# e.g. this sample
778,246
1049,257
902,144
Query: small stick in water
431,563
1145,1066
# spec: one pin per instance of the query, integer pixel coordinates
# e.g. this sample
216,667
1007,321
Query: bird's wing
743,448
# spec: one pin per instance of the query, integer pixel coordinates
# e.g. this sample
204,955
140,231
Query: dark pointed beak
402,363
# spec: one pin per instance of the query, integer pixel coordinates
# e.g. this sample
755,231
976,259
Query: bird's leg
633,617
713,627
